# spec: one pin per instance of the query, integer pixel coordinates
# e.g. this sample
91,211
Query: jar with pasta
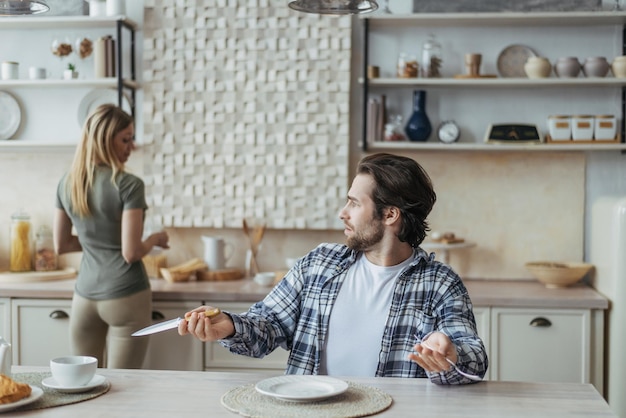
45,256
21,247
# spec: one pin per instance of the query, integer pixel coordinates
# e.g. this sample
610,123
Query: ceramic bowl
265,278
73,371
558,274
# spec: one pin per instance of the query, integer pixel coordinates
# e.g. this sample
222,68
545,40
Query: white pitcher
215,249
5,357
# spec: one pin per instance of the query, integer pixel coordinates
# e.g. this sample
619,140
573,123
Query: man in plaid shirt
377,306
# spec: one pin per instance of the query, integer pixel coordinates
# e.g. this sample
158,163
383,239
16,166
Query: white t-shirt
358,319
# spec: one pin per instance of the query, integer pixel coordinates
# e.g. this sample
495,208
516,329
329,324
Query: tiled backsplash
245,113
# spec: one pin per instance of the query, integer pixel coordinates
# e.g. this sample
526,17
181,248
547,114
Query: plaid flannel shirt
428,296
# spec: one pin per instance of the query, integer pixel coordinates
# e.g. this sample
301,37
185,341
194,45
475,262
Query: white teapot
5,357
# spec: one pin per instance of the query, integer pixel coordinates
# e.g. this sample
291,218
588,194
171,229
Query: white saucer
51,383
35,394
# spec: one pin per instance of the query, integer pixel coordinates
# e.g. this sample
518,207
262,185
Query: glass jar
393,129
431,58
21,246
45,256
407,66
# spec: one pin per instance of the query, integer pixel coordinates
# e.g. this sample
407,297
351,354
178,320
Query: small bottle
431,58
45,256
21,247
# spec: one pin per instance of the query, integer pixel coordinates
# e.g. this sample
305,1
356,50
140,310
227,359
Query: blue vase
418,128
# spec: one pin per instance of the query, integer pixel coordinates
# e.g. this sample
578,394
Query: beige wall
517,207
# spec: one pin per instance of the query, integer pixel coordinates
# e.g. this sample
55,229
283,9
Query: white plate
98,97
51,383
301,387
10,115
36,393
512,59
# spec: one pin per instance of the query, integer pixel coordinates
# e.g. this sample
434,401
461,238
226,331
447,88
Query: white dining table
174,394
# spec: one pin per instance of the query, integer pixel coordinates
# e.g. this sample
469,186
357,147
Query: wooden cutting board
37,276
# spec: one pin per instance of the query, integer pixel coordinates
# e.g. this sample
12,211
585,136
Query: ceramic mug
10,70
215,249
37,73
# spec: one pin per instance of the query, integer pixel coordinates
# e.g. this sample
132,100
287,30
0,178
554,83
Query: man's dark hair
403,183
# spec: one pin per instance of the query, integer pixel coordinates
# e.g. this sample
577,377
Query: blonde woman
106,205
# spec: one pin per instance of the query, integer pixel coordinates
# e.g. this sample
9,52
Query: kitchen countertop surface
484,293
159,393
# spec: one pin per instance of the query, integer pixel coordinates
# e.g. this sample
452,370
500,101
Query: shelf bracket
365,83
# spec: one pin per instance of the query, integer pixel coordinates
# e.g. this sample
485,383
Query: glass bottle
21,246
418,128
45,256
431,58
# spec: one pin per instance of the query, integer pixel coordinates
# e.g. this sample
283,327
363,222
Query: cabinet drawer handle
58,315
540,322
157,316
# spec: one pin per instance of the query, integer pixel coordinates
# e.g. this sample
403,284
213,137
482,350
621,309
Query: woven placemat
358,401
51,397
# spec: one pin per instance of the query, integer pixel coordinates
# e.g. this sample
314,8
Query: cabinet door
219,358
5,318
169,351
540,345
40,330
482,324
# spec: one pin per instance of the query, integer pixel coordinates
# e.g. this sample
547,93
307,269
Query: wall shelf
496,97
499,19
438,146
498,82
110,82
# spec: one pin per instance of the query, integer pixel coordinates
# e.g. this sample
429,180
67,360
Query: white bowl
73,371
265,278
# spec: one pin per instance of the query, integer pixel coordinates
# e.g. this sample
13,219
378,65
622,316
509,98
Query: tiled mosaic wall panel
245,113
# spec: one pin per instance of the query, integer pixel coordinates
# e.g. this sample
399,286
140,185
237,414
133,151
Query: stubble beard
362,241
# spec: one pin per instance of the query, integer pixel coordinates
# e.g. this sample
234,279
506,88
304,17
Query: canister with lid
45,256
21,247
560,127
431,58
605,127
582,128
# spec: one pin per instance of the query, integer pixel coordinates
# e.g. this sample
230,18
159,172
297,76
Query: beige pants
92,320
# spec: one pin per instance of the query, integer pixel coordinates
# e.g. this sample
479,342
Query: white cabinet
481,314
5,318
541,345
475,103
168,350
40,330
218,358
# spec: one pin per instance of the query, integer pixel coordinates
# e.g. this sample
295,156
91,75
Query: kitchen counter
151,393
484,293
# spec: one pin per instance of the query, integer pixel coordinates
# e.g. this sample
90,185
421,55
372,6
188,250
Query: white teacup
37,73
265,278
73,371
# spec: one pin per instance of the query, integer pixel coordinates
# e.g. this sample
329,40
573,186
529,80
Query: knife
172,323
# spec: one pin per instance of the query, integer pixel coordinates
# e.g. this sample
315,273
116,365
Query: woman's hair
95,148
401,182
